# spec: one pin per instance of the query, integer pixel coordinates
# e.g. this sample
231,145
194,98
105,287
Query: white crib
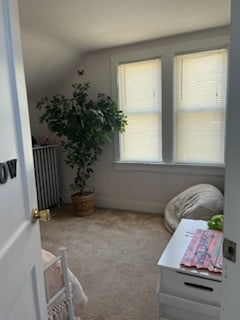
59,282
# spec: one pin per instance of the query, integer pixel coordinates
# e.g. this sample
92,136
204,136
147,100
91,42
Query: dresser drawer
175,308
190,287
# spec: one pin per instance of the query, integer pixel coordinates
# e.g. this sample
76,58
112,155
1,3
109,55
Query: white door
21,278
231,282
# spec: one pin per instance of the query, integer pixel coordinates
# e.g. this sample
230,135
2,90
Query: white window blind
200,103
140,98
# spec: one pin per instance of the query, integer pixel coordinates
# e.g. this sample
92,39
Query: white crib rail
54,311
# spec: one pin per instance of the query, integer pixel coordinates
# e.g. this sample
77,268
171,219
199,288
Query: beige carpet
114,255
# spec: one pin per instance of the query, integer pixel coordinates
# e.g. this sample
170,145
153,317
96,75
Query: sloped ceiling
56,33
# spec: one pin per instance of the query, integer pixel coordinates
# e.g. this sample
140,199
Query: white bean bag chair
201,201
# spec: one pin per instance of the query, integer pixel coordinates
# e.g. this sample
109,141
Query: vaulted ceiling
56,33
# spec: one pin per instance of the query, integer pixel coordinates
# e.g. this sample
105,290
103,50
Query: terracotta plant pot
83,204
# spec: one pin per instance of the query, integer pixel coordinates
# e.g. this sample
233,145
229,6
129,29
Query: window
140,99
200,94
176,116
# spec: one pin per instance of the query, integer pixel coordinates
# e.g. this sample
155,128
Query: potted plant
83,126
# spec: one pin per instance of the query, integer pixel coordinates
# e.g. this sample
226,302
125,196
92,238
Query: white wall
120,186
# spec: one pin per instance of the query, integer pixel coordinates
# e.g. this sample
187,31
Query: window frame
166,53
193,110
148,112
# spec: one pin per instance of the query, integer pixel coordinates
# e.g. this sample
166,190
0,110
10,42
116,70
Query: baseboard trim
139,206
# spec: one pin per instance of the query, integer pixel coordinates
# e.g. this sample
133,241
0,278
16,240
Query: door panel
231,279
19,268
24,313
21,275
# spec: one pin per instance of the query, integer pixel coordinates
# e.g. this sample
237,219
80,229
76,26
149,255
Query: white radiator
46,175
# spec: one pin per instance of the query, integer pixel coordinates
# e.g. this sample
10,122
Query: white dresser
186,293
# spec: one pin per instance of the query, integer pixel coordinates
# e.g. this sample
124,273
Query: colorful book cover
205,251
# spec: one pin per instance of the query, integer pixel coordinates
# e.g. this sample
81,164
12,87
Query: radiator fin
46,175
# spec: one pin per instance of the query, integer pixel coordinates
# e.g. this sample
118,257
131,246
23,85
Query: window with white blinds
200,103
140,98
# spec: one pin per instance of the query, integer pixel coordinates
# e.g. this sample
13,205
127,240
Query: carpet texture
114,255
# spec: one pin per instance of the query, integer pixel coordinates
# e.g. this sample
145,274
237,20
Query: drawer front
190,287
171,312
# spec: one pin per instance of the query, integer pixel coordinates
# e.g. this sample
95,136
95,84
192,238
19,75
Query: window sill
192,169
